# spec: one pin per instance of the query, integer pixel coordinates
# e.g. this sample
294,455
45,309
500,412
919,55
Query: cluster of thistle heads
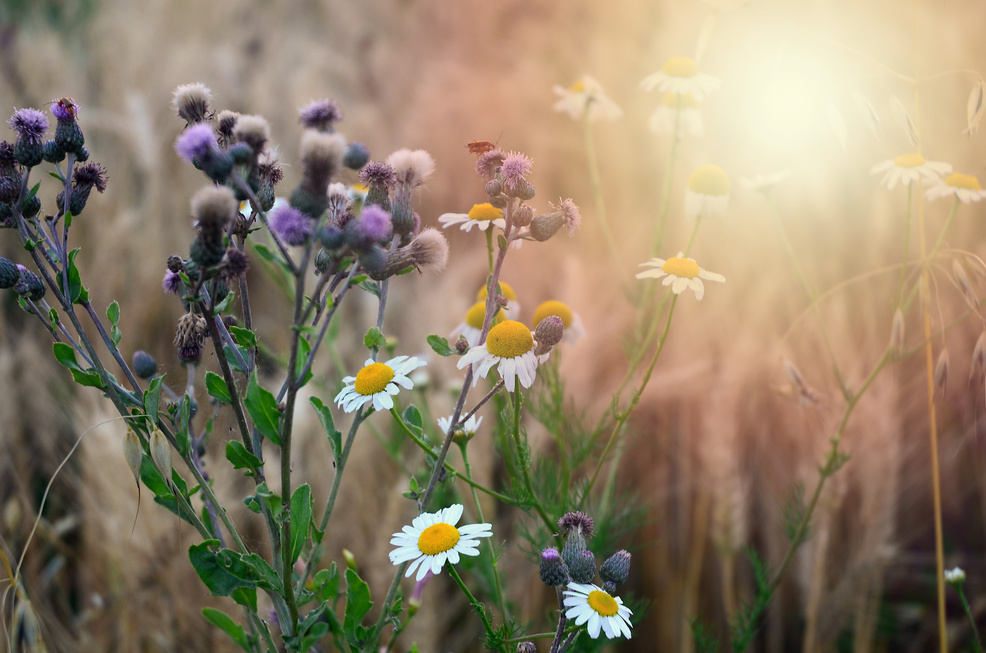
576,563
338,229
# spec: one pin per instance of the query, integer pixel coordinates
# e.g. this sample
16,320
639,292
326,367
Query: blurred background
722,438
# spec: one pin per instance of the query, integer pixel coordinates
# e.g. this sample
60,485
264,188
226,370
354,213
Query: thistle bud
144,364
616,569
29,285
31,207
573,549
52,152
494,187
192,102
584,569
523,216
546,225
357,155
254,131
9,273
189,337
133,452
175,263
160,453
553,570
526,647
429,251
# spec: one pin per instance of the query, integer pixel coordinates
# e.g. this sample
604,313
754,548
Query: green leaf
65,355
412,417
245,596
262,406
225,623
262,572
440,345
213,569
53,319
76,292
113,315
301,516
243,337
152,399
234,360
325,417
238,455
357,605
89,378
374,339
358,279
305,349
327,583
217,388
223,306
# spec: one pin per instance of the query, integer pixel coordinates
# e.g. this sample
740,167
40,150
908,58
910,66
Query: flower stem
478,607
597,191
498,587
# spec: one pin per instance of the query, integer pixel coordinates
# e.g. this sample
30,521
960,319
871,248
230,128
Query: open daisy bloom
574,330
586,98
707,195
510,346
964,187
589,603
432,539
683,109
512,309
480,215
377,383
680,273
681,76
472,328
906,168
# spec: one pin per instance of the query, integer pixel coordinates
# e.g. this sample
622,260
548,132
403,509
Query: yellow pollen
438,538
578,87
958,180
509,339
485,212
505,289
908,160
373,378
477,314
554,307
709,180
675,101
681,267
680,67
604,604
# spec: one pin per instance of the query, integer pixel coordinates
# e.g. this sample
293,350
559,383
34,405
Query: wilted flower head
587,98
252,130
320,115
411,167
90,175
428,251
577,521
190,336
225,124
192,102
171,283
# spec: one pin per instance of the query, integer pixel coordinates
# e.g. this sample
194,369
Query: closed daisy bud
584,569
897,333
9,274
553,570
548,333
160,453
144,364
133,452
192,102
616,569
978,367
941,372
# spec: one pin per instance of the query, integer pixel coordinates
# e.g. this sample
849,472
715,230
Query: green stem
478,607
597,191
907,248
972,619
501,603
662,217
523,459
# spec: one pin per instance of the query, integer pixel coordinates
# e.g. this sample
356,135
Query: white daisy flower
589,603
707,195
955,576
377,383
684,110
909,167
680,273
586,98
681,76
357,192
574,329
764,182
480,215
512,310
432,539
964,187
465,431
510,346
472,327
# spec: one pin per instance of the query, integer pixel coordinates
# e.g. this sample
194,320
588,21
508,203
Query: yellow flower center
709,180
485,212
362,189
477,314
578,87
675,101
681,267
604,604
553,307
958,180
438,538
373,378
908,160
509,339
680,67
505,289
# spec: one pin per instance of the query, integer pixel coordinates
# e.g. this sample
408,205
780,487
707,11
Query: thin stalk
597,191
497,586
972,618
525,463
662,217
907,247
477,607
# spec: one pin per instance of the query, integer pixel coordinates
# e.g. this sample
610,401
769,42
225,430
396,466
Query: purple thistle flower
377,173
570,213
488,162
88,175
374,224
320,114
196,142
514,167
171,283
30,125
65,109
291,225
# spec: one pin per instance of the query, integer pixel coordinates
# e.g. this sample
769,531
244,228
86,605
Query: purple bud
320,115
171,283
196,142
291,225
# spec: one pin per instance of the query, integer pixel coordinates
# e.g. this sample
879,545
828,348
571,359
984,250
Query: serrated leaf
301,516
240,458
374,338
226,624
216,387
262,406
357,605
328,426
243,337
440,345
152,399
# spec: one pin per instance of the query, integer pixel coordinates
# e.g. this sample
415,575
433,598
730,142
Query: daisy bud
897,333
616,569
548,333
941,372
29,285
254,131
189,337
553,570
68,134
978,367
9,274
144,364
133,452
584,569
546,225
30,125
160,453
192,102
357,155
523,215
428,251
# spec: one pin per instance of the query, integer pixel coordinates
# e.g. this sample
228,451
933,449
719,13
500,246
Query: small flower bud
332,237
133,453
357,155
546,225
29,285
350,559
31,207
160,453
373,258
494,187
941,372
68,134
320,115
573,549
548,333
323,260
523,216
616,569
428,251
372,227
461,345
524,191
190,336
9,273
955,576
499,201
52,152
553,570
526,647
291,225
235,263
584,569
321,155
144,364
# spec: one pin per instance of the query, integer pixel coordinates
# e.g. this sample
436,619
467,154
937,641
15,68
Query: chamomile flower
377,383
480,215
681,108
510,346
909,167
574,329
590,604
432,539
680,273
707,195
965,187
512,309
472,327
466,431
586,98
681,76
